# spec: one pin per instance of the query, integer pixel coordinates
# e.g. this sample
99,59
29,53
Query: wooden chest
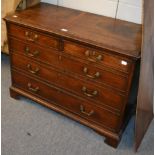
79,64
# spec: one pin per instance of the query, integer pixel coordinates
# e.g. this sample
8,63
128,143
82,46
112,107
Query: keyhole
93,53
60,57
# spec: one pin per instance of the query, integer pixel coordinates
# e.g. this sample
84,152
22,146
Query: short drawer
67,101
59,60
101,95
33,36
96,56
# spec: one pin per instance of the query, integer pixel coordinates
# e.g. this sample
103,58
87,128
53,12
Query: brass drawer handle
27,52
89,54
97,74
99,57
85,92
32,71
35,90
29,35
84,112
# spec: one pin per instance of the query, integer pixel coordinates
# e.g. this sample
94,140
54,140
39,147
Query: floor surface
31,129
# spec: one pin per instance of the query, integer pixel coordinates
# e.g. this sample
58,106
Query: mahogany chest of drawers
79,64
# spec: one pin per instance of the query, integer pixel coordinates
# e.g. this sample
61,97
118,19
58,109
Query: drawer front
96,56
66,101
87,89
57,59
33,36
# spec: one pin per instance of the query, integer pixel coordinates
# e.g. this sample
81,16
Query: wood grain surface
116,35
79,64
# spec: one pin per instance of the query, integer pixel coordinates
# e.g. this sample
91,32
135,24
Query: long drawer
67,101
87,89
33,36
59,60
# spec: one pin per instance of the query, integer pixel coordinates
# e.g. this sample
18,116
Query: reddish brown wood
53,67
14,94
72,103
112,142
116,35
105,96
28,35
96,127
108,76
97,56
144,114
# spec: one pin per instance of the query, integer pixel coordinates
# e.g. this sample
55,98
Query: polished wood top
115,35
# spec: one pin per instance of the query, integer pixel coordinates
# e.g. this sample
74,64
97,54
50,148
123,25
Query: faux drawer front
93,55
71,103
95,74
30,35
101,95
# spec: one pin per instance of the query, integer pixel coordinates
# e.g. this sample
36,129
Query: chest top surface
104,32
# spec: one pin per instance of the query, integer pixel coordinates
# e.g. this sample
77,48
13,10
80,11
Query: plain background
129,10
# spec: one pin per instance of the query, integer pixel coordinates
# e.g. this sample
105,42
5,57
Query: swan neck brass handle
85,92
35,90
84,112
31,38
90,56
99,57
31,70
96,75
28,53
